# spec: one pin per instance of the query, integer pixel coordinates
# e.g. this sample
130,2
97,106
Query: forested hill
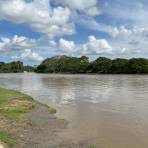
65,64
102,65
14,67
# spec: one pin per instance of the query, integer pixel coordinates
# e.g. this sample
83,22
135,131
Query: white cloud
92,24
16,43
87,6
28,54
93,46
135,31
19,48
36,56
66,46
94,11
131,42
97,46
38,15
127,41
52,43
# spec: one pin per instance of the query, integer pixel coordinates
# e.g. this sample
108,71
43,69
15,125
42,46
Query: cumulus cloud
92,46
66,46
38,15
131,42
126,41
97,46
19,48
126,35
134,31
16,43
113,31
87,6
28,54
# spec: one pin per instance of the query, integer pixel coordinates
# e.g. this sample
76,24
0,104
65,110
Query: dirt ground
41,131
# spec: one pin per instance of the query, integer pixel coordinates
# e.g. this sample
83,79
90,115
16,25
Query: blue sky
32,30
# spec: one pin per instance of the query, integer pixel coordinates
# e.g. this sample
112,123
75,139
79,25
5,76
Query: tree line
14,67
102,65
66,64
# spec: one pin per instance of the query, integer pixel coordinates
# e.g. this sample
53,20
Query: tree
16,67
119,66
64,64
137,66
100,65
12,67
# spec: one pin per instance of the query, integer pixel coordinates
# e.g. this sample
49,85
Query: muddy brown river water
110,110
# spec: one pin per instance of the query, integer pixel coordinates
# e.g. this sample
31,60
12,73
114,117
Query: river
110,110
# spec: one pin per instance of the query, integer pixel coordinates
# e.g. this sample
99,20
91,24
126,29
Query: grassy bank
14,107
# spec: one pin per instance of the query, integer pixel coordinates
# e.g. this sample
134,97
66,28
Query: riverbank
26,123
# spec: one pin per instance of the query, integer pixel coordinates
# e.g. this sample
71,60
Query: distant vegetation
14,67
28,68
65,64
102,65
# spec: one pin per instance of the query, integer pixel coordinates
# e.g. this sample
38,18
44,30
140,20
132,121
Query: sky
33,30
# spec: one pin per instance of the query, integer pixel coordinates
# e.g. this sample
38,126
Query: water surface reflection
110,110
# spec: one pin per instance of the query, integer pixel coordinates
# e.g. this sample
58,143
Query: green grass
6,138
13,106
52,110
3,101
8,98
6,94
13,114
3,98
93,146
